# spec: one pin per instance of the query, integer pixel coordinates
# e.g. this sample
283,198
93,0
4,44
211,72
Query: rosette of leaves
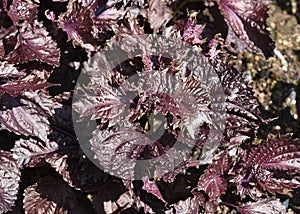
187,101
34,50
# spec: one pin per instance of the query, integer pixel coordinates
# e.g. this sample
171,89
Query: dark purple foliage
213,180
142,107
267,166
34,43
247,25
22,11
49,195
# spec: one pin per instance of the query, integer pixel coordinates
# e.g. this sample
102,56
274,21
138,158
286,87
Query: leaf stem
229,204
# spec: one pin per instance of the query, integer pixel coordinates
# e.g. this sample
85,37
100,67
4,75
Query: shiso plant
56,73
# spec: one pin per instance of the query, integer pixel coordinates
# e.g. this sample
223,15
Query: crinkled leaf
213,180
248,21
34,43
118,150
21,10
103,101
9,181
29,152
270,166
69,160
33,82
243,115
77,23
49,196
81,25
270,205
151,187
8,70
28,115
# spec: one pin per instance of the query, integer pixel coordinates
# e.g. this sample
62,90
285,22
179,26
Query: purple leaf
21,10
191,32
158,14
81,25
270,205
243,115
62,127
151,187
103,102
248,21
29,114
209,206
33,82
145,200
69,160
213,180
77,170
267,167
9,181
49,196
29,152
34,43
118,150
8,70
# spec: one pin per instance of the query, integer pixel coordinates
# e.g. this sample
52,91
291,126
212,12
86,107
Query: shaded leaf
112,197
49,196
77,170
144,200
